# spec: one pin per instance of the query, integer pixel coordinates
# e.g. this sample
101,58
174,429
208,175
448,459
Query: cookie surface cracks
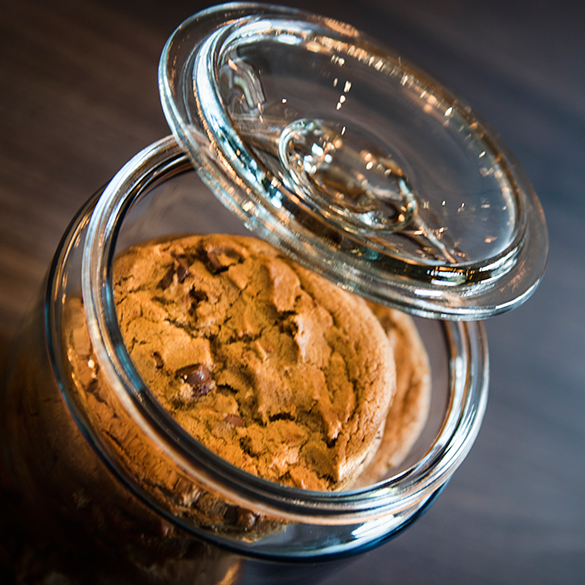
268,365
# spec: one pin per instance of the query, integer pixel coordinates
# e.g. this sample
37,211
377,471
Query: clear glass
354,161
81,500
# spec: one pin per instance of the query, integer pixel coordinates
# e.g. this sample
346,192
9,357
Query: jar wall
64,512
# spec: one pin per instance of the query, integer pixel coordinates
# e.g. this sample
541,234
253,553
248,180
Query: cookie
270,366
410,406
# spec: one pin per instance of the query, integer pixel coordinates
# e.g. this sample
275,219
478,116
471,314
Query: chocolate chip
167,279
203,389
234,420
213,262
221,257
182,269
246,519
198,377
158,362
236,516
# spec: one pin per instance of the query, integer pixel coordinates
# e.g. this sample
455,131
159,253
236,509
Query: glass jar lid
353,161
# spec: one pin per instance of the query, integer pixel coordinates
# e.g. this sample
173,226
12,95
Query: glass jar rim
468,392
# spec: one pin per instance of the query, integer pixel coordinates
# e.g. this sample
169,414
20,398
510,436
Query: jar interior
184,205
154,198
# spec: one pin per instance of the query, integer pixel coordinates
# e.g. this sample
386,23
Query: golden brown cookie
410,407
152,468
270,366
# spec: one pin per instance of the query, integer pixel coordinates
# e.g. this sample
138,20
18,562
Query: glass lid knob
353,161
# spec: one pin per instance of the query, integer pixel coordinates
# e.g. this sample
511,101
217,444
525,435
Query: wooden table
79,97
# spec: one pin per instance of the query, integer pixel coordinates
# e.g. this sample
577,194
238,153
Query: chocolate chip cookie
270,366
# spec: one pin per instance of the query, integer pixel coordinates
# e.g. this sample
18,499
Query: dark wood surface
78,97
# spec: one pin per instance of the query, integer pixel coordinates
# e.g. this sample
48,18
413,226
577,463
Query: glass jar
99,484
74,480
